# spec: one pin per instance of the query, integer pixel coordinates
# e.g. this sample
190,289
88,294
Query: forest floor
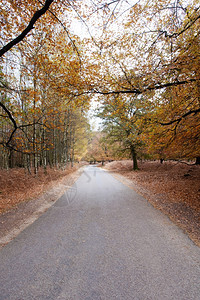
17,186
24,197
172,187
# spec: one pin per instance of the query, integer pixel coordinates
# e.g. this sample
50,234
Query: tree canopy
139,59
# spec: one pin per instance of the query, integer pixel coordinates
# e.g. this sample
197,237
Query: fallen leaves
16,186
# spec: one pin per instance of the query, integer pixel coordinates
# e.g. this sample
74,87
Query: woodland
139,61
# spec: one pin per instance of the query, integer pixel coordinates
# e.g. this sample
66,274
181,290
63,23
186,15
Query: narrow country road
101,240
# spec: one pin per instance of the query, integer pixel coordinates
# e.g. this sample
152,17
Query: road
100,240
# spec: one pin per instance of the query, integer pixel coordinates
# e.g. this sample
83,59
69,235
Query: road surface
101,240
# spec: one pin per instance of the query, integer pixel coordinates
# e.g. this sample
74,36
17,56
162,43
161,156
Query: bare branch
30,26
195,111
9,115
135,91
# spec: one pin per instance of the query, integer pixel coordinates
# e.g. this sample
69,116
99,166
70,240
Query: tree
149,59
174,128
42,126
124,121
96,150
161,62
29,27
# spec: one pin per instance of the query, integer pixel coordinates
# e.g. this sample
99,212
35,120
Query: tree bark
30,26
10,159
197,160
134,158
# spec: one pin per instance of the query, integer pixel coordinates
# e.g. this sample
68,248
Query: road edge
13,226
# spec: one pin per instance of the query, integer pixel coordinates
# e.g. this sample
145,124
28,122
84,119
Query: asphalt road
101,240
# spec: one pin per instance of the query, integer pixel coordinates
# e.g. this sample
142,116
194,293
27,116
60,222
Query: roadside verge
25,213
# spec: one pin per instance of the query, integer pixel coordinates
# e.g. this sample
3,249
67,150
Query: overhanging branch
194,111
138,91
30,26
9,115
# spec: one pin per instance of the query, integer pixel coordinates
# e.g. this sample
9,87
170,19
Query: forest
138,61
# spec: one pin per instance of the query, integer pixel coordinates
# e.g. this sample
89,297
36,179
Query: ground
17,186
172,187
24,197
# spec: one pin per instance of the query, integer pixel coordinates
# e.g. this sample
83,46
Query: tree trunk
134,158
44,152
10,159
35,157
73,146
197,160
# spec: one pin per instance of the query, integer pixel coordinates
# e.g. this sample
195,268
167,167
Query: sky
85,30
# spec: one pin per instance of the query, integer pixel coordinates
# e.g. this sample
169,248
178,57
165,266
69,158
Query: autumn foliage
140,61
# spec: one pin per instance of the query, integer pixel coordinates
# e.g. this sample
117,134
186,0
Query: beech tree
144,54
40,49
157,55
124,122
41,127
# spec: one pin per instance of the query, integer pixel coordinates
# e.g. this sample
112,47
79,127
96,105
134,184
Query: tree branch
135,91
195,111
30,26
9,115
